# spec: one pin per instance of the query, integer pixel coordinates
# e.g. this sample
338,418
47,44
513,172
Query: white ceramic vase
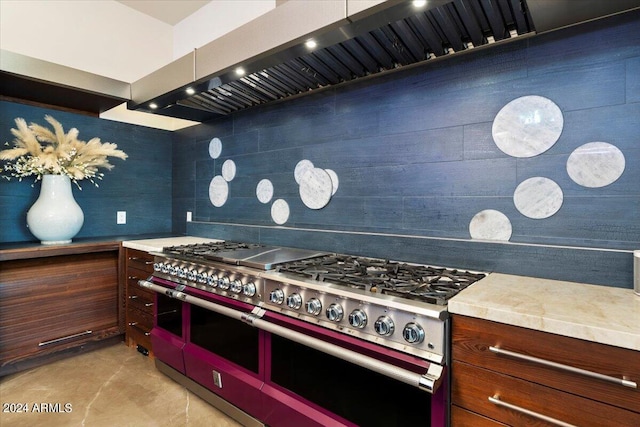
55,217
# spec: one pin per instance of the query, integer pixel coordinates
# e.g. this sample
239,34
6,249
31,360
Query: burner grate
434,285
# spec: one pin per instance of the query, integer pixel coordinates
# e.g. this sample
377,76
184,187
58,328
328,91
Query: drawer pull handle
133,258
68,337
133,296
135,325
133,278
596,375
149,304
496,401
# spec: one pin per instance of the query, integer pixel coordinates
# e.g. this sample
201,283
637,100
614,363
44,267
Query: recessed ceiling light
190,91
153,105
240,71
419,3
311,44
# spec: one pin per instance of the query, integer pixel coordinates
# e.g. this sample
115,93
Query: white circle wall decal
315,188
527,126
538,197
228,170
335,182
490,224
215,148
218,191
264,191
301,168
595,164
280,211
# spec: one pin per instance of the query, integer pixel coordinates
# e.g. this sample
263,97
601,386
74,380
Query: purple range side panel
440,402
239,386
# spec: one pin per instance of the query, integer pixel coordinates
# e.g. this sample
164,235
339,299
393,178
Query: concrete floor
114,386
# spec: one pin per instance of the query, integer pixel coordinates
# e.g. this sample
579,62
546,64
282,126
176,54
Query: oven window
356,394
226,337
169,314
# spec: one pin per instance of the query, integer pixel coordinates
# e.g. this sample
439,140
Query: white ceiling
168,11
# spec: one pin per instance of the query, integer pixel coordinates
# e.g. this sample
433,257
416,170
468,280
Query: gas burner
433,285
204,250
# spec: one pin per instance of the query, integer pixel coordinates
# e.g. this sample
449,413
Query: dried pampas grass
39,151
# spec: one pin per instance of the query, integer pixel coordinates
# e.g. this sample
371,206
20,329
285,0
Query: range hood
354,39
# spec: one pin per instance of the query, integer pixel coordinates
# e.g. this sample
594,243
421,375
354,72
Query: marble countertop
602,314
156,245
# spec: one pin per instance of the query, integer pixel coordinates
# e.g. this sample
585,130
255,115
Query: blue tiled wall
416,161
140,185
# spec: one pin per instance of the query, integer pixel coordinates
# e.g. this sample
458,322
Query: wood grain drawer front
461,417
138,336
141,319
473,388
140,260
482,343
139,298
134,275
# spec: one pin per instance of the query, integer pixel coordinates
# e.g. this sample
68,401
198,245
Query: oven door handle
429,381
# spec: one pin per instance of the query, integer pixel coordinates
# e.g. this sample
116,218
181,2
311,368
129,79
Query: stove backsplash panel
416,160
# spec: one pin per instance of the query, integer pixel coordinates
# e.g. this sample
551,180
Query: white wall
101,37
214,20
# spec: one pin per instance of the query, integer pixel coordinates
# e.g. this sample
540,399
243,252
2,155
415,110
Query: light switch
121,217
189,216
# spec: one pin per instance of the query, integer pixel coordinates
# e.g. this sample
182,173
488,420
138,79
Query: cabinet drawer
139,336
478,342
135,274
460,417
139,298
140,260
472,388
141,319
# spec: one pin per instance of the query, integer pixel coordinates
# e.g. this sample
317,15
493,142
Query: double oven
273,346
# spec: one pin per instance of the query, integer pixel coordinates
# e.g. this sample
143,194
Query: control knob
172,270
249,289
164,268
157,266
335,312
358,318
212,280
182,272
413,333
294,301
192,274
224,282
201,277
276,296
236,286
384,326
314,306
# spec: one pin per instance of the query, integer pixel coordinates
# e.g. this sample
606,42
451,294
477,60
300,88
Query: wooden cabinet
55,301
139,301
517,376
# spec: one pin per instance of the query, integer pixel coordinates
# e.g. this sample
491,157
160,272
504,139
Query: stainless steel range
289,336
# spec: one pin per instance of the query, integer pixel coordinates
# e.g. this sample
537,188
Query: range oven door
225,355
306,385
